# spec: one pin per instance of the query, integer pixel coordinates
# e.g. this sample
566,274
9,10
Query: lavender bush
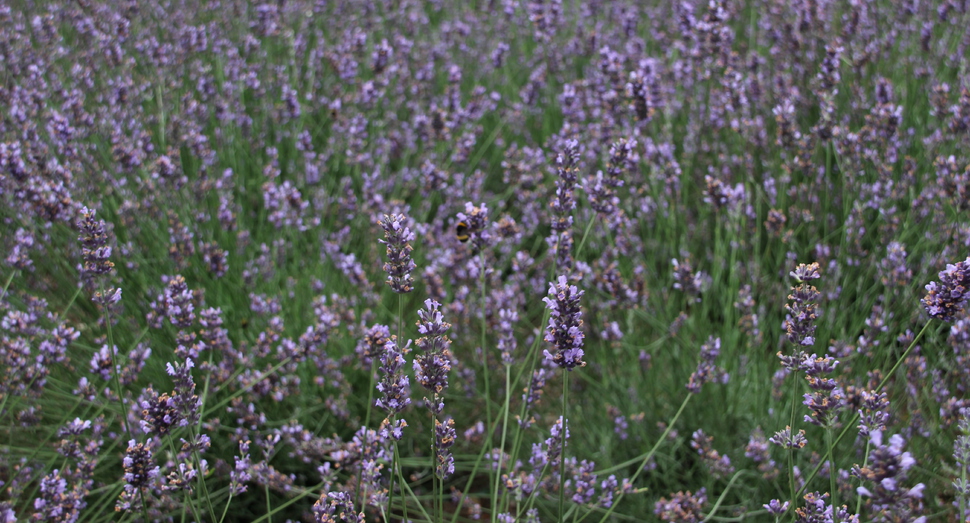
506,261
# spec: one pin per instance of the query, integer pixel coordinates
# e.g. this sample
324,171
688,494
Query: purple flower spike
94,245
395,387
802,311
945,299
706,370
397,237
565,330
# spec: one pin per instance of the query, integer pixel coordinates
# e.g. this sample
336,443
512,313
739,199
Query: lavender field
504,261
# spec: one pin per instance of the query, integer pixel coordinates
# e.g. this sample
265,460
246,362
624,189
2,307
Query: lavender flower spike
945,299
800,324
565,330
706,370
399,264
94,244
394,386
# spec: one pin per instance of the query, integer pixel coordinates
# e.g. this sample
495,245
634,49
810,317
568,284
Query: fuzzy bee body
461,231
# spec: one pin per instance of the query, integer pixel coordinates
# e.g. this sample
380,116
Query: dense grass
243,163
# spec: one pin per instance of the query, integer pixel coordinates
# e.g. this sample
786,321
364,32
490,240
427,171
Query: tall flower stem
565,436
495,476
115,367
501,454
791,451
833,470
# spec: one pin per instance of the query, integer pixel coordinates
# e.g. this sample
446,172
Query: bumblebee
461,231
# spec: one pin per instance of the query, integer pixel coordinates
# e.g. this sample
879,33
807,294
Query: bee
461,231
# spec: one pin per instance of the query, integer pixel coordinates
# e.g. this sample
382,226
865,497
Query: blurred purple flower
706,370
887,471
945,299
682,507
94,245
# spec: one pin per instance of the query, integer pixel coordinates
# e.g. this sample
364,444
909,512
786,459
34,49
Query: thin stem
865,463
435,481
488,396
225,509
501,449
6,284
269,507
833,470
721,497
589,225
791,451
115,365
565,436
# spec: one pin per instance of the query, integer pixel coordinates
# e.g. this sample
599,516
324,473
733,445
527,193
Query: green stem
485,377
399,476
6,284
224,510
720,498
865,463
115,366
390,487
436,483
501,449
833,471
565,435
589,225
269,507
791,451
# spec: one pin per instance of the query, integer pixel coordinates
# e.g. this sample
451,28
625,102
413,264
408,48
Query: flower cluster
686,280
602,189
945,300
564,203
431,369
887,472
394,386
706,370
719,465
372,344
94,245
141,473
565,329
816,510
682,507
802,311
827,398
177,304
758,451
336,507
397,237
506,339
444,438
